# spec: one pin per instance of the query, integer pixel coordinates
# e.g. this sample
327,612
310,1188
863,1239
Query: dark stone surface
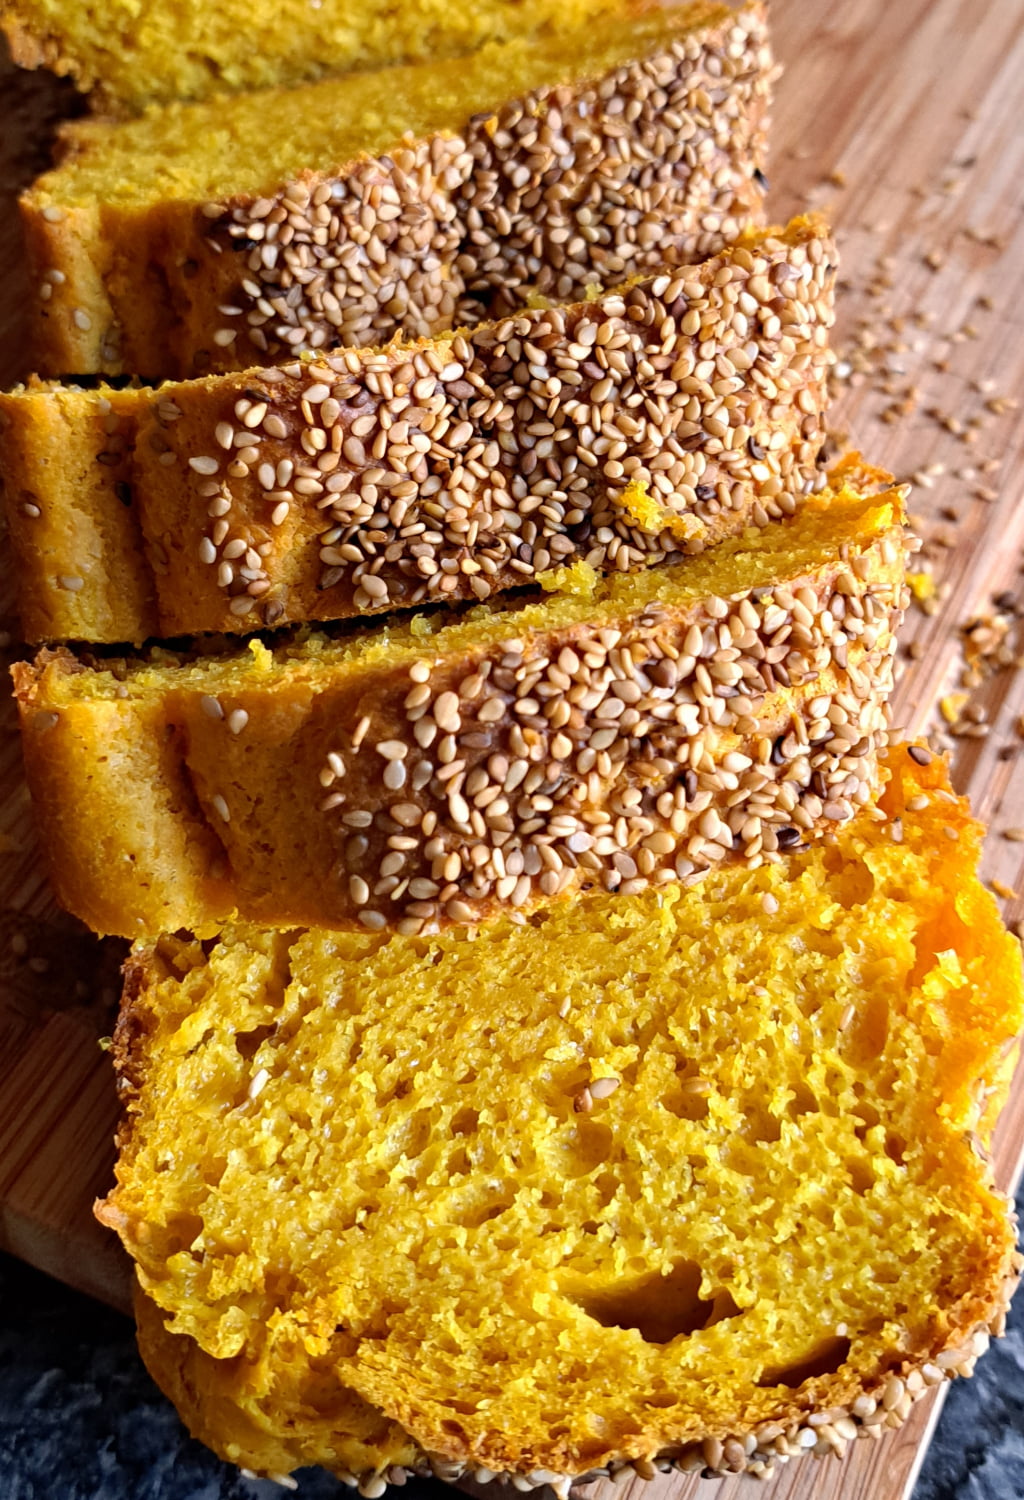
81,1420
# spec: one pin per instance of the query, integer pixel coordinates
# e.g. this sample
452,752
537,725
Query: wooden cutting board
901,119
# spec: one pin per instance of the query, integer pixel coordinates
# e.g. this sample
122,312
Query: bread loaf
689,1176
646,422
217,236
631,729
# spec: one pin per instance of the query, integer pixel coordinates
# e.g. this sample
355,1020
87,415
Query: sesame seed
258,1083
220,807
603,1088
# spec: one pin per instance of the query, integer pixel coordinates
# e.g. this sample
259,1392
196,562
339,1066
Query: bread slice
629,730
648,421
130,55
217,236
692,1177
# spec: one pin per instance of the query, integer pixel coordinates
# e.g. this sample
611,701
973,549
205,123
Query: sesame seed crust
564,187
620,757
643,747
644,424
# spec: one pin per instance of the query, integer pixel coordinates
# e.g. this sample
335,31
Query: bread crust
284,793
183,288
450,469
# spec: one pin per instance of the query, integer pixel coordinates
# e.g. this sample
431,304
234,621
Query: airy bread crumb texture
696,1175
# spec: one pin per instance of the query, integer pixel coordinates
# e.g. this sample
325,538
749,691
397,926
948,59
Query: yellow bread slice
217,236
694,1175
651,420
133,53
631,728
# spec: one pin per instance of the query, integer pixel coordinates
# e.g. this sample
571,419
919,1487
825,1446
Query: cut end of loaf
739,1128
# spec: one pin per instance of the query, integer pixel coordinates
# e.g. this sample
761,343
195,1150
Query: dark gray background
81,1420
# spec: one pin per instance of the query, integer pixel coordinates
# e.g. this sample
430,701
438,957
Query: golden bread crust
424,775
450,469
466,221
260,1367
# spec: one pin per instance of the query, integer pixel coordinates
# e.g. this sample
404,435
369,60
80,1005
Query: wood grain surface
901,118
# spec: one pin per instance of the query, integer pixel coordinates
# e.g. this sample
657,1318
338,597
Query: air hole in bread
824,1359
660,1308
248,1043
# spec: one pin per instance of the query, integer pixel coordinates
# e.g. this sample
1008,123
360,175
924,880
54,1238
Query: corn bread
651,420
630,729
130,55
691,1175
217,236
